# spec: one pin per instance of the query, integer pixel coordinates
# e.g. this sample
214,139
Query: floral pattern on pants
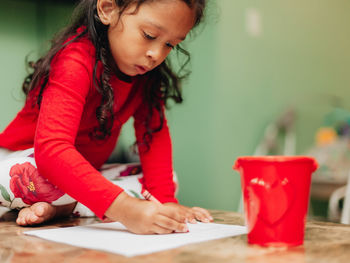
26,183
21,185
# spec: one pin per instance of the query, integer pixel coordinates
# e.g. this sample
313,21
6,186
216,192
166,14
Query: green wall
17,38
239,83
24,33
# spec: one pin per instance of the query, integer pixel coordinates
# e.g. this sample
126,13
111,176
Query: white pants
20,181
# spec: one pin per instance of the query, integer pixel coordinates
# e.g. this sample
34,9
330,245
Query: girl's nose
155,54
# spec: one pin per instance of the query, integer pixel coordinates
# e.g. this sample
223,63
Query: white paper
114,238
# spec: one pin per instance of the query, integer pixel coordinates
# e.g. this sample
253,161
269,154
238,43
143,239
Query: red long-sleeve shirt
65,153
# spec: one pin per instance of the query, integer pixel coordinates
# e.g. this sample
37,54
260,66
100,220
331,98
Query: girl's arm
157,167
60,114
156,163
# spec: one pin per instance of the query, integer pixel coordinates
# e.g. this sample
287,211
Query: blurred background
251,61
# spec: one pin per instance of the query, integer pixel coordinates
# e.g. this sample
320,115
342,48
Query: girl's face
141,41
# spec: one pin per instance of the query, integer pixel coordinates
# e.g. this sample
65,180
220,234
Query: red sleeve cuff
100,212
165,199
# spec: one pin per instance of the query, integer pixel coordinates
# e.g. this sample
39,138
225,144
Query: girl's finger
201,216
204,212
170,224
191,218
156,229
178,215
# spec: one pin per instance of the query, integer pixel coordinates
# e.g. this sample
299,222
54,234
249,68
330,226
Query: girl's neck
120,75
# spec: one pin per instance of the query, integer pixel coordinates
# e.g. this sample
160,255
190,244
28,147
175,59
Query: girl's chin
124,77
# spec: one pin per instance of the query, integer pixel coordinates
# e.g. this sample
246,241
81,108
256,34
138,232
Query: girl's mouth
141,70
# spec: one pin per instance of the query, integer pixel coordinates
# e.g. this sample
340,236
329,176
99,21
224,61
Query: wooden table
324,242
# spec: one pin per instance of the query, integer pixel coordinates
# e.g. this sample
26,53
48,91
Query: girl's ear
106,10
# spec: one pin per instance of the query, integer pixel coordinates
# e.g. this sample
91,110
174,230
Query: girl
108,66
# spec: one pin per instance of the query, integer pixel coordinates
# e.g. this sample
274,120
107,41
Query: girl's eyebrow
161,28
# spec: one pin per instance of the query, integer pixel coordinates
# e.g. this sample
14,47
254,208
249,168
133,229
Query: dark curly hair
162,83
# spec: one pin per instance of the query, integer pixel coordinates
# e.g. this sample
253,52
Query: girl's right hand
146,217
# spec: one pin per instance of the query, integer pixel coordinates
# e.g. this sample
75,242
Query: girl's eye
169,45
147,36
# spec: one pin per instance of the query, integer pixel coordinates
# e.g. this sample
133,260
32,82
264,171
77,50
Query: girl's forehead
165,13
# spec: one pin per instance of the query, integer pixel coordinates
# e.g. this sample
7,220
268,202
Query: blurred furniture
279,139
330,182
335,212
332,150
345,217
279,136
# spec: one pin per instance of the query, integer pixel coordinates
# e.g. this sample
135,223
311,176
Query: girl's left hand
194,213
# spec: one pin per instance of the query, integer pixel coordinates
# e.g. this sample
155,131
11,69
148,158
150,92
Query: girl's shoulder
80,41
77,49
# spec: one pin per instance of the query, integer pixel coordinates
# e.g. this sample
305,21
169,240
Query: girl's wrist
118,206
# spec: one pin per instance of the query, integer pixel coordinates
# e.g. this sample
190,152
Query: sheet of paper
114,238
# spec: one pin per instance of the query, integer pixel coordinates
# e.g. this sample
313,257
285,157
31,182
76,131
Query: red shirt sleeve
156,163
57,158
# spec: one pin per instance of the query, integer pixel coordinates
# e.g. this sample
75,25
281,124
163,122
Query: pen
148,196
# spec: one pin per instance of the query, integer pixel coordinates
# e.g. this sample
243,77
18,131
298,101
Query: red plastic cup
276,196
